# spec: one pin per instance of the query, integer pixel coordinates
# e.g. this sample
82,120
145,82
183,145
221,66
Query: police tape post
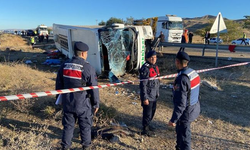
63,91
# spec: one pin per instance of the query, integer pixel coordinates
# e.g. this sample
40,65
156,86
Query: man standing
190,37
81,105
47,38
244,38
184,39
186,101
207,37
162,39
42,37
149,91
32,41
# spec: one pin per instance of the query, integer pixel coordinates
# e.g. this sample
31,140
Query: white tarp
222,26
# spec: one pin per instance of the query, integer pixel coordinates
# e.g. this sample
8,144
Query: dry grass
16,43
20,78
13,42
33,139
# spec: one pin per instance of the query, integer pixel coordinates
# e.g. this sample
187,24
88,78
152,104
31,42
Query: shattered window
119,44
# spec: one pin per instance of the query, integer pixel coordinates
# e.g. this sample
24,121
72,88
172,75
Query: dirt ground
223,124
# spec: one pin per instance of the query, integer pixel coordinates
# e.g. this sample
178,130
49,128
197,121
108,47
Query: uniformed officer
81,105
186,101
149,91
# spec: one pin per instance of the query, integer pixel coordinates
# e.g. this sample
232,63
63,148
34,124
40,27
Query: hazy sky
24,14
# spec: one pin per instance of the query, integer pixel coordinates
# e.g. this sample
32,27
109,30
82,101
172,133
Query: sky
28,14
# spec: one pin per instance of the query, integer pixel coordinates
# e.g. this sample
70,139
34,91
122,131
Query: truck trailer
117,49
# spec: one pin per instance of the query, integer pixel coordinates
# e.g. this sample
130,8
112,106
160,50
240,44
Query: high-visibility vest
194,78
244,35
32,39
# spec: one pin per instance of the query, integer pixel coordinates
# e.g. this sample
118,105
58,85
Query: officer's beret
150,54
80,46
182,56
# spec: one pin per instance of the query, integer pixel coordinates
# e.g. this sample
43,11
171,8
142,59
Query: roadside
36,123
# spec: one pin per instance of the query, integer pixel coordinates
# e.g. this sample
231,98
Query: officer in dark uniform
149,91
186,103
81,105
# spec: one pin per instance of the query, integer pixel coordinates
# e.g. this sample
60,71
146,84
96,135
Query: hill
199,25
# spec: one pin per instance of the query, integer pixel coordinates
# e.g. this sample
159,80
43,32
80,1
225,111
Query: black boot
151,128
86,147
147,132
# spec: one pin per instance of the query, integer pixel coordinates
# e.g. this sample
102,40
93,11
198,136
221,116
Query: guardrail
206,46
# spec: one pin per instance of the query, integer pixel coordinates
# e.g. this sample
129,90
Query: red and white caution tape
48,93
228,66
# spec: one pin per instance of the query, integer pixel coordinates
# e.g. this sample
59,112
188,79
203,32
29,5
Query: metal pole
217,44
70,45
203,51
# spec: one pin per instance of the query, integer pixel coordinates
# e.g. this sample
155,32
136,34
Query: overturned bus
118,48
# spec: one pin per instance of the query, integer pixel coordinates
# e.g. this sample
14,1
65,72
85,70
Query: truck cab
170,25
118,48
172,28
42,30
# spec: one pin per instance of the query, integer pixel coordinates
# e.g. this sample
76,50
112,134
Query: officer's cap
80,46
182,56
150,54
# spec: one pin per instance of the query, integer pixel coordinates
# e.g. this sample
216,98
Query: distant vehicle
42,29
51,33
30,33
214,40
238,41
19,33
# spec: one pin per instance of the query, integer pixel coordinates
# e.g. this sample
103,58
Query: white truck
42,30
118,49
170,25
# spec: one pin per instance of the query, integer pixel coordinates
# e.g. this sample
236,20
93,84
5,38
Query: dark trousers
207,41
183,132
32,45
243,40
182,49
148,113
85,123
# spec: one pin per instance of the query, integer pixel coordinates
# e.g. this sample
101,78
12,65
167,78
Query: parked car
30,33
214,40
19,32
238,41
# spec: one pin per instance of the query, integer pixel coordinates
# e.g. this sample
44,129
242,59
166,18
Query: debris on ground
210,85
52,62
113,78
134,103
54,54
113,132
28,62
